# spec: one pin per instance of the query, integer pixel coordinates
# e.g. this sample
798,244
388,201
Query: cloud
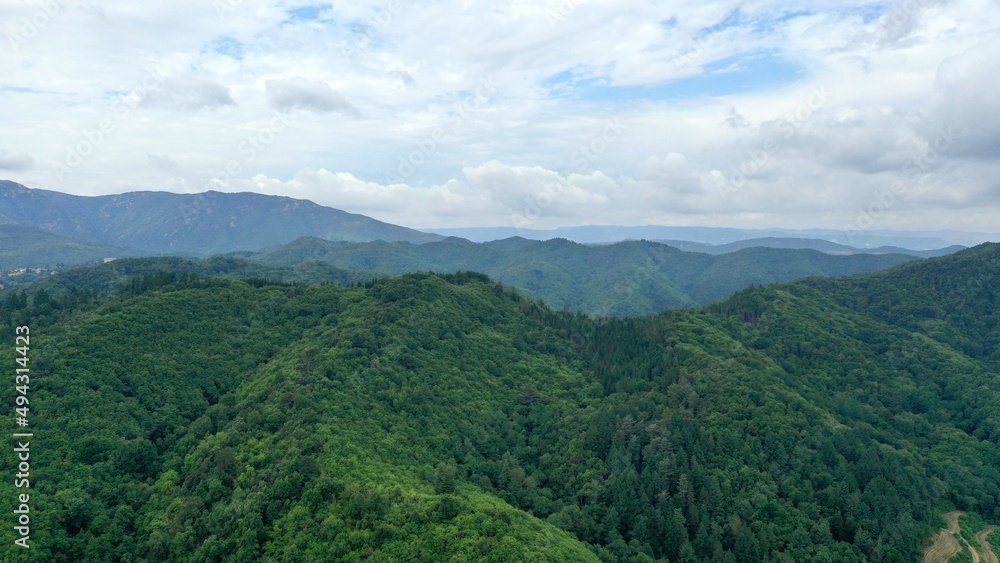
865,139
735,120
453,199
903,19
15,161
671,174
285,95
532,189
403,79
965,100
190,93
896,74
164,163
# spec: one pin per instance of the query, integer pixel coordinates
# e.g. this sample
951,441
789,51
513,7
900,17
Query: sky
841,114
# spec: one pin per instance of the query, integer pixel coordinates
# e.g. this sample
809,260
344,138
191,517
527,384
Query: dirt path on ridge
945,544
988,555
949,541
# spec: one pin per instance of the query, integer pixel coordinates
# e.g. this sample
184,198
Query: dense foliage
130,276
953,299
445,417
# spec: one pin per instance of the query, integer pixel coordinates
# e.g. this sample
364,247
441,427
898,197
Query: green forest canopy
445,417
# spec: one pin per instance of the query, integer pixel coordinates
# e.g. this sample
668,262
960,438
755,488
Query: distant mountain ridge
601,234
191,224
623,279
821,245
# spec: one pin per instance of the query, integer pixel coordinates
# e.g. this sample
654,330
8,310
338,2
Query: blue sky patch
872,13
737,18
670,23
560,81
228,46
733,19
793,15
734,75
309,13
361,27
21,90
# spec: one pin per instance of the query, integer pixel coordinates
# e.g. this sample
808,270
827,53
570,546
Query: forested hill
22,247
624,279
953,299
429,418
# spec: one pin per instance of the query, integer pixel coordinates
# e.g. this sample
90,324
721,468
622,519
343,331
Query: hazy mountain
628,278
433,418
821,245
191,224
22,246
913,240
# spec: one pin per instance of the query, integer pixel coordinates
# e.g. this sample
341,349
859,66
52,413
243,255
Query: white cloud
965,99
285,95
15,161
894,76
190,93
164,163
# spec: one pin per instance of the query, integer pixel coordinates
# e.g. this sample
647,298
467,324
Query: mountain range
601,234
622,279
821,245
190,224
212,223
53,230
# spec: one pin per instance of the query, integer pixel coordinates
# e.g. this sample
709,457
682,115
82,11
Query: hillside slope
22,246
954,299
445,418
